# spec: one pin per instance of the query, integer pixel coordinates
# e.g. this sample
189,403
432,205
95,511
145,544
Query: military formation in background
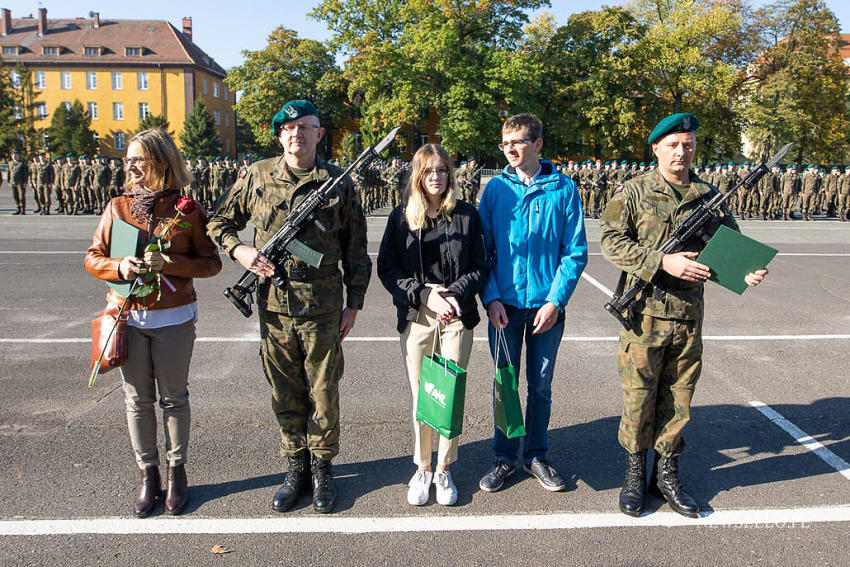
784,193
72,186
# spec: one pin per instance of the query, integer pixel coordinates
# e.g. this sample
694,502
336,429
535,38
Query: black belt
304,272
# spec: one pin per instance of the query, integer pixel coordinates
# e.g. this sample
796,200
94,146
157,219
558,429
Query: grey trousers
158,362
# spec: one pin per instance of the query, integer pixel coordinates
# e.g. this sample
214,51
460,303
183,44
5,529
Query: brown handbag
116,349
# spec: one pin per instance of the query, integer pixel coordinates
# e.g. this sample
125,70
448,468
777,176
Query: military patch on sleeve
619,189
243,173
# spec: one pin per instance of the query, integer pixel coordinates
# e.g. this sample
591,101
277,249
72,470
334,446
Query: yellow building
120,70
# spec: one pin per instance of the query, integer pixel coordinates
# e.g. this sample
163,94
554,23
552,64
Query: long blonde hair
417,202
166,164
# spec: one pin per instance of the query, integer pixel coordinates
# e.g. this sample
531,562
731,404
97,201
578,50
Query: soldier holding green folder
661,359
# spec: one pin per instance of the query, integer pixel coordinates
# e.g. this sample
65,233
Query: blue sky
224,28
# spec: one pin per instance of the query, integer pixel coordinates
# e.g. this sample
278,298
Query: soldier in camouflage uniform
790,191
72,178
302,323
116,177
202,175
45,177
101,175
59,184
829,194
661,358
17,176
810,187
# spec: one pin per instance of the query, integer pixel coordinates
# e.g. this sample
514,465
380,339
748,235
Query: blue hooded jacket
534,237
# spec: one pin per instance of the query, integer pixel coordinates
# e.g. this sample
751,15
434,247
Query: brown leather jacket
193,253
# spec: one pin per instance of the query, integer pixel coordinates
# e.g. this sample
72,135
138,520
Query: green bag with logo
442,394
507,410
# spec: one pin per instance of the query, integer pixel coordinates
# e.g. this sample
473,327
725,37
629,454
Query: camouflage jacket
17,173
265,195
637,222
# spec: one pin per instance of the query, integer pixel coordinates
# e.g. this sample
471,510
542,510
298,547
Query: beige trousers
158,359
417,339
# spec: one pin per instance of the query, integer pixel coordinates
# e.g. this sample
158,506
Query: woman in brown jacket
161,324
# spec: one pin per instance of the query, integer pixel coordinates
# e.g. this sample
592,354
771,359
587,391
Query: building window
40,80
67,106
205,86
117,81
10,50
142,81
227,146
118,111
91,80
49,50
92,51
215,89
144,110
133,51
15,78
217,116
226,92
92,106
226,119
423,139
41,110
66,80
119,141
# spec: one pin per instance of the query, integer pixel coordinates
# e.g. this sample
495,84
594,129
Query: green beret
84,156
652,163
69,154
292,110
682,122
643,164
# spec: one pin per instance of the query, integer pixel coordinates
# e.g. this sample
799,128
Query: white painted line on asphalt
391,339
804,439
597,284
770,518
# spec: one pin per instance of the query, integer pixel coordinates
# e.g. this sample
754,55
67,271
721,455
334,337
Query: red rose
186,205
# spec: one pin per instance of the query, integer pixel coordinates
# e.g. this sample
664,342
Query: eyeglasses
291,127
132,161
515,143
441,171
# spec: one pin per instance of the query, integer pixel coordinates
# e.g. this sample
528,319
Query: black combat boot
668,484
324,492
294,484
634,486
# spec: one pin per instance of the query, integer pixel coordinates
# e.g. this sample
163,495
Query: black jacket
400,263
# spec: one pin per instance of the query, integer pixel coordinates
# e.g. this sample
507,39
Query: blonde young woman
161,325
432,261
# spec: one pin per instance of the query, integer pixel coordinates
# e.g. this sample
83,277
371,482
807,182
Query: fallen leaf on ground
220,550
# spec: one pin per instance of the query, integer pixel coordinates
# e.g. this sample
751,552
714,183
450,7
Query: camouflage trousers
303,363
19,192
659,368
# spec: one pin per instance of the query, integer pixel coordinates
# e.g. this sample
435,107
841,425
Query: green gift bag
507,410
442,394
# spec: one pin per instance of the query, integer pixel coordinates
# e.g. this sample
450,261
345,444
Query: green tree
348,146
199,136
23,104
687,59
8,120
288,68
797,90
246,142
407,56
70,130
154,121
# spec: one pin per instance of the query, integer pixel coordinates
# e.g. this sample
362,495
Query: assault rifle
284,242
600,180
404,168
691,226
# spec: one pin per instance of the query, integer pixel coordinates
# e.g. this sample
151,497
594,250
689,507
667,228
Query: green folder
731,256
123,242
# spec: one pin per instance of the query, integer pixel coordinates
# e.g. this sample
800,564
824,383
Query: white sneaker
420,485
446,489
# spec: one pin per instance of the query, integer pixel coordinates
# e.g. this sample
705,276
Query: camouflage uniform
17,178
45,176
790,192
116,178
810,183
661,359
844,195
299,322
72,178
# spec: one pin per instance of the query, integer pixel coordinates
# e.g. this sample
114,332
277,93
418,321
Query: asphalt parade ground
767,448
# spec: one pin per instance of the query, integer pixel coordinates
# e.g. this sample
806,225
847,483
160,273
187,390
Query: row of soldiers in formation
80,186
778,194
382,183
85,185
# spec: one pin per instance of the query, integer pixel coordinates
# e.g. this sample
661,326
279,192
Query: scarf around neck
144,201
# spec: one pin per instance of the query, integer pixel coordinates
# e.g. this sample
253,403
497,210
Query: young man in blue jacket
534,232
